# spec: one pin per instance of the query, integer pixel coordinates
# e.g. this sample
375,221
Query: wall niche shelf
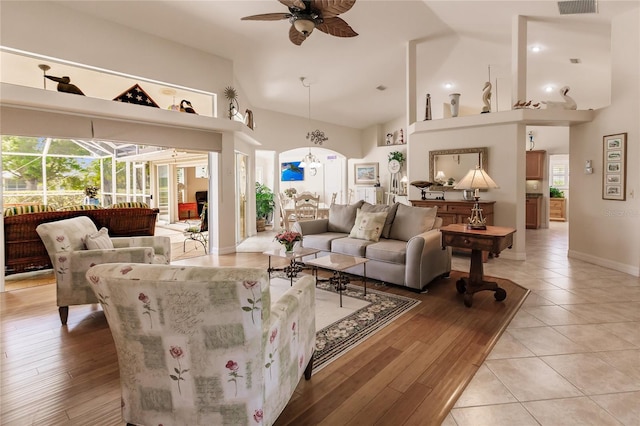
532,117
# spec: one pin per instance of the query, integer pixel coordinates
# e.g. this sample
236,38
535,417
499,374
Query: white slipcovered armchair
65,241
205,345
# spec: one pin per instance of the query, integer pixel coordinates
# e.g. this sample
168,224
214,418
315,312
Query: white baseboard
617,266
224,250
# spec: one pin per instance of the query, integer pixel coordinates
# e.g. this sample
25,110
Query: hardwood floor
411,372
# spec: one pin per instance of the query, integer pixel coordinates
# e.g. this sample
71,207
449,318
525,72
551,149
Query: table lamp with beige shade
476,179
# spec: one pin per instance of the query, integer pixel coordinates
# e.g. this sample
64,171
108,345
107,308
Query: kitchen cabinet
535,165
370,194
533,210
557,209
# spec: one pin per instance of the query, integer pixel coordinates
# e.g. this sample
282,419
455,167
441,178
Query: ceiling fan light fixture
304,26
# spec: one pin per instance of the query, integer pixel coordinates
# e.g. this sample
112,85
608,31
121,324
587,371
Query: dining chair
306,206
286,217
349,195
333,198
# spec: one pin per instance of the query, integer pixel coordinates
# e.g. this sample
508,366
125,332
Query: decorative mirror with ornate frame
448,166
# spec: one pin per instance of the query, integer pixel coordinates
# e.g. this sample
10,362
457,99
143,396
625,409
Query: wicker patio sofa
25,252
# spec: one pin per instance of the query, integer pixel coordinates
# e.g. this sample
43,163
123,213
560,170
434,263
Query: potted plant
398,156
264,205
555,192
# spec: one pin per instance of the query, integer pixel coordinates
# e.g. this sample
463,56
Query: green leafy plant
555,192
397,155
264,201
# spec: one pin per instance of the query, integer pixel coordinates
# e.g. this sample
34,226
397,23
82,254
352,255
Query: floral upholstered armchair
74,245
205,345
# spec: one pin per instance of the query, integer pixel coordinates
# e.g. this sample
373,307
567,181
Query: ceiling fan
305,15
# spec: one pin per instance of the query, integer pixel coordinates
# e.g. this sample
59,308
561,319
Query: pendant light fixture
316,136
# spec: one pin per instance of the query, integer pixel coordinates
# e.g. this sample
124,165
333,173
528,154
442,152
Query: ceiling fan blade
267,17
336,27
332,8
296,36
296,4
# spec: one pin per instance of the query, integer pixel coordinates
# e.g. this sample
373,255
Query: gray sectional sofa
403,246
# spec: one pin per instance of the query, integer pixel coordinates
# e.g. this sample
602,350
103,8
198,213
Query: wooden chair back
306,206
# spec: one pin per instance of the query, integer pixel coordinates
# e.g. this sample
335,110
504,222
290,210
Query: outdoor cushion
411,221
342,217
81,207
16,210
129,204
368,225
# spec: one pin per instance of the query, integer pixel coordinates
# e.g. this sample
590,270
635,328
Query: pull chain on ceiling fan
305,15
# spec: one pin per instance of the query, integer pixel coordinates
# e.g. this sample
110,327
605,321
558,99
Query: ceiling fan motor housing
305,22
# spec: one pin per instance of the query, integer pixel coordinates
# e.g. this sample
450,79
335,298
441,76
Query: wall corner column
519,59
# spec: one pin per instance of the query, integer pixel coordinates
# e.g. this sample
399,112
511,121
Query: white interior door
334,178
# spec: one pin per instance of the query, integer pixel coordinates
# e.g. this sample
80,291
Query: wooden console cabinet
557,209
458,212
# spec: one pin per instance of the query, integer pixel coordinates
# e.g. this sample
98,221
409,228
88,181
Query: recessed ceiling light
548,89
575,60
535,49
448,85
381,87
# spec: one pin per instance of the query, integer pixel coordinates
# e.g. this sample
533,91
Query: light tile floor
571,356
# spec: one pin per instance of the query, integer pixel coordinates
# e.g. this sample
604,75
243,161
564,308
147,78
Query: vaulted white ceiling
460,42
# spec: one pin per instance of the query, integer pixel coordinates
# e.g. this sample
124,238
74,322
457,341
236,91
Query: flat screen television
291,171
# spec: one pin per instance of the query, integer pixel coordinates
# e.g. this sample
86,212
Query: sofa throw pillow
368,225
411,221
391,214
98,240
342,217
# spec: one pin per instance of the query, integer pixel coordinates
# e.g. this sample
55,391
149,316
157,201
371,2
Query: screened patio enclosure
56,172
61,172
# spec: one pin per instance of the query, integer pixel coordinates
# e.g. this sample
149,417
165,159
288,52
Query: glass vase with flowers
288,239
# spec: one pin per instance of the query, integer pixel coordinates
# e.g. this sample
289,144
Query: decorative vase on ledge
454,103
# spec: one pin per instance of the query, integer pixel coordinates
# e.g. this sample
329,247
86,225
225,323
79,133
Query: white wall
601,231
283,132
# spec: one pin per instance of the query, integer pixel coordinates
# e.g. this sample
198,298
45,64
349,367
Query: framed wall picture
291,171
614,167
366,173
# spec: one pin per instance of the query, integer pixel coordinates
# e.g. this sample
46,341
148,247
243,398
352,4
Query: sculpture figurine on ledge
568,103
423,185
64,85
486,98
185,106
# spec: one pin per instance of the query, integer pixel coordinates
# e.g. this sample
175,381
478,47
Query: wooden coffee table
338,263
295,265
494,239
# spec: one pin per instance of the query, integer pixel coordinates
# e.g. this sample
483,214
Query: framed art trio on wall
614,166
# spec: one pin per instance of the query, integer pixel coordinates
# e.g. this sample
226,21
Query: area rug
342,329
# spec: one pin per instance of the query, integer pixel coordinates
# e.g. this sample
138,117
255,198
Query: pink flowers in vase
288,239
